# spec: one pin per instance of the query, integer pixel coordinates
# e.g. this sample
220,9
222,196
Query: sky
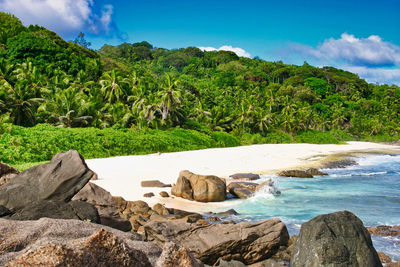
359,36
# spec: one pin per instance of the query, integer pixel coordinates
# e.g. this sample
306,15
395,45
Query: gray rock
246,242
78,210
56,242
228,213
336,240
58,180
105,205
245,176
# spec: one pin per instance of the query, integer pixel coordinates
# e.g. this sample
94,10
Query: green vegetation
163,100
39,143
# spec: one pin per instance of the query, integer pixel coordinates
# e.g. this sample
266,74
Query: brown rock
295,173
182,188
315,172
246,242
138,207
174,255
245,176
202,222
385,230
242,190
202,188
56,242
384,258
160,209
393,264
94,177
154,183
164,194
151,194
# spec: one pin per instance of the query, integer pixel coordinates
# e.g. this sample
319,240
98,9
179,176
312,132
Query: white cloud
239,51
63,16
376,75
371,51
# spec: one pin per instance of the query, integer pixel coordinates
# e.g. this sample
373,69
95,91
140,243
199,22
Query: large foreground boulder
246,242
202,188
78,210
58,180
335,240
56,242
105,205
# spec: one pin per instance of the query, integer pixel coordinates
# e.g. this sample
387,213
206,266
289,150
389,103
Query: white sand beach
121,176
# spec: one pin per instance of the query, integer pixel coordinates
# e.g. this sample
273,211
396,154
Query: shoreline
121,176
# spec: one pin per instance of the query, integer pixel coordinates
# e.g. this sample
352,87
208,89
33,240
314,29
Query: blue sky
360,36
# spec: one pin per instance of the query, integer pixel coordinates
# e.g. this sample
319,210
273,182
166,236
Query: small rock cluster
310,173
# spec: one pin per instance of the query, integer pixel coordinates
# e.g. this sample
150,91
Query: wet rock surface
385,230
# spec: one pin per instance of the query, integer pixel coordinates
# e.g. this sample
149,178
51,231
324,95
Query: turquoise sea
371,190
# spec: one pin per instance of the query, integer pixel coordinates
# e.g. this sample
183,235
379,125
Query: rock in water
56,242
246,242
335,240
316,172
295,173
202,188
58,180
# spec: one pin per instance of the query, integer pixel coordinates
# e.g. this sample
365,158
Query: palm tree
67,108
170,99
21,101
111,86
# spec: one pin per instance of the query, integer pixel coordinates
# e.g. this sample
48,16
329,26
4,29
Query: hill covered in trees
44,79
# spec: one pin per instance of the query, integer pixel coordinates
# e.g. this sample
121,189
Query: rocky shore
52,215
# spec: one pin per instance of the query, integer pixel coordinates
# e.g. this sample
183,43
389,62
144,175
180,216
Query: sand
121,176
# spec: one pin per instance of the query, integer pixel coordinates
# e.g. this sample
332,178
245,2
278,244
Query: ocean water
371,190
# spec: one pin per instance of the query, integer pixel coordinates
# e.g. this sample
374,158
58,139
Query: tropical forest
136,98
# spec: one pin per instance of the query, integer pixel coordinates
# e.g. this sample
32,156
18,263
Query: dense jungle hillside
204,99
